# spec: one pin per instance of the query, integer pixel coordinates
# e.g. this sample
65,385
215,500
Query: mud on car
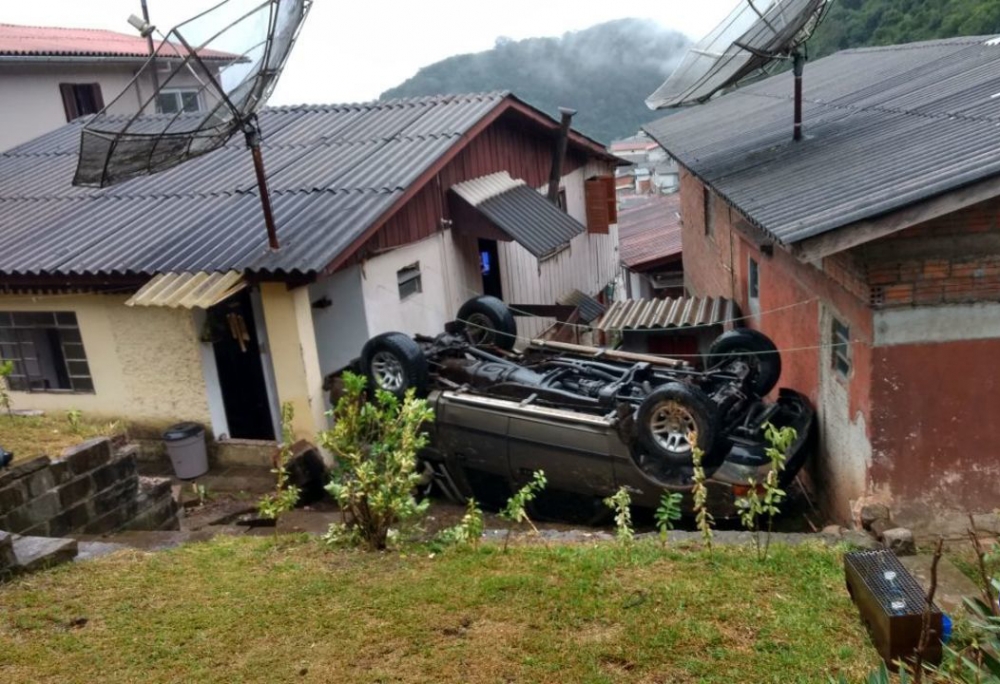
593,419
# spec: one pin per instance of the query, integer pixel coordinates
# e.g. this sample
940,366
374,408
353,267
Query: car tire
395,363
488,321
759,351
667,417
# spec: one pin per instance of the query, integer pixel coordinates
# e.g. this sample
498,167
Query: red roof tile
48,41
651,231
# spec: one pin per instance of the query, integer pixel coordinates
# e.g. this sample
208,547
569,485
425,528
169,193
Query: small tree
6,369
703,519
376,445
285,495
620,502
515,511
753,506
469,530
668,513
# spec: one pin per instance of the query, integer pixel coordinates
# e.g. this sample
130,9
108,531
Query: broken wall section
90,489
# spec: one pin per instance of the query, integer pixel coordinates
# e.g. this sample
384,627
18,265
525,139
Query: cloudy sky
352,51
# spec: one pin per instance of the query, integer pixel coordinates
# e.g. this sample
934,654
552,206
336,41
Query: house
158,299
870,252
50,75
649,241
650,169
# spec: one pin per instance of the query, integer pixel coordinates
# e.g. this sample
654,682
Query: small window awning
521,213
188,290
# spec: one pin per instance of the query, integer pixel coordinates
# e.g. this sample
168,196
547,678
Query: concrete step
37,553
89,550
952,587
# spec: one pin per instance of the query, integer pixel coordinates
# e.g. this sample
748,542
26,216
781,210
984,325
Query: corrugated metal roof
333,172
589,308
884,128
521,212
650,231
188,290
49,41
658,314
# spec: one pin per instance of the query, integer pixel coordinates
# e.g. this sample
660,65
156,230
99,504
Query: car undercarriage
594,419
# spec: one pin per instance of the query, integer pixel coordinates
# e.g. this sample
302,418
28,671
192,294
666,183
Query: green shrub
285,495
376,445
516,510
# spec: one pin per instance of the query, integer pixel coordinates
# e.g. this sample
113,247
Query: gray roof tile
884,127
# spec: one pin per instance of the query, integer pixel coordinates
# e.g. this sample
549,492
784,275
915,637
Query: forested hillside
857,23
606,72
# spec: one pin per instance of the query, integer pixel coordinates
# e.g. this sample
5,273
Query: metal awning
188,290
521,212
672,312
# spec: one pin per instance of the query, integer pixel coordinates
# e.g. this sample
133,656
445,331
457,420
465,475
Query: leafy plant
285,495
620,502
75,419
469,530
515,512
765,498
376,445
201,491
668,512
703,519
6,369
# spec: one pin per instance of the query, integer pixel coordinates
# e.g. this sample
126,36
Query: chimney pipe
559,154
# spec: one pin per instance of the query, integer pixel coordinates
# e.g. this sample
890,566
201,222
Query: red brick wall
952,259
710,256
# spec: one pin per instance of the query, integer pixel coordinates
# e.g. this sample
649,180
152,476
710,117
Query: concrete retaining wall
90,489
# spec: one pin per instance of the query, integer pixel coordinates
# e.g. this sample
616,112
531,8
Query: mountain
605,72
858,23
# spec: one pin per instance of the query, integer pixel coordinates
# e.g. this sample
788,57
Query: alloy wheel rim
387,371
672,425
480,329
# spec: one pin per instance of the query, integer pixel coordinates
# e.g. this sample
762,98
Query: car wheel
755,349
670,416
395,363
487,321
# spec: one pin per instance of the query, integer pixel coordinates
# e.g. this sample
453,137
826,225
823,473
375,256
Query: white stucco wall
146,363
342,327
425,312
31,103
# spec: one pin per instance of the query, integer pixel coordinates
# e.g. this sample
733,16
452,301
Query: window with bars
47,352
841,347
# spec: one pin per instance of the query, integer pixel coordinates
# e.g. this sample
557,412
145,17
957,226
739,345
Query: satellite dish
204,82
753,36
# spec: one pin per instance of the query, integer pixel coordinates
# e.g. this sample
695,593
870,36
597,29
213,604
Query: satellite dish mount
756,35
210,76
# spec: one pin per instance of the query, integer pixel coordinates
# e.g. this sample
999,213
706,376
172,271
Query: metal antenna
798,66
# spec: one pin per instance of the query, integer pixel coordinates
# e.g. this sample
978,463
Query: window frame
70,94
708,208
179,93
405,277
19,335
841,359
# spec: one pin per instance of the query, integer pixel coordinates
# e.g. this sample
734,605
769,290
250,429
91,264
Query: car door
573,449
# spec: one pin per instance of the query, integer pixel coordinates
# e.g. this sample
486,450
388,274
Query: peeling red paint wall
936,439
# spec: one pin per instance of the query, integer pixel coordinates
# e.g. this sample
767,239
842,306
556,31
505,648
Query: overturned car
594,420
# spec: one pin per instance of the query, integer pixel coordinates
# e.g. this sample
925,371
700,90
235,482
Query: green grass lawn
258,610
30,436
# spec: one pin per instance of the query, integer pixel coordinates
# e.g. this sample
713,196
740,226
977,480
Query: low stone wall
90,489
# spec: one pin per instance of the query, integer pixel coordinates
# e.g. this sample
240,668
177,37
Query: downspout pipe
559,154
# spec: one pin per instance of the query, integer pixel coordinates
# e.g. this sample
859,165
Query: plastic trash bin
186,448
